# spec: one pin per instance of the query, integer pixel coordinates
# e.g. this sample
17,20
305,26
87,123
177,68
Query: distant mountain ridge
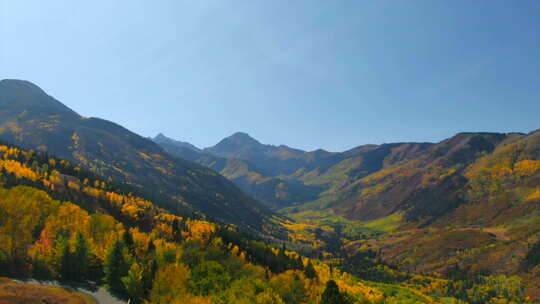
470,202
257,168
164,140
281,175
234,144
297,180
32,119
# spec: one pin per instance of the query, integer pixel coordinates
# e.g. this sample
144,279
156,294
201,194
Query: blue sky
308,74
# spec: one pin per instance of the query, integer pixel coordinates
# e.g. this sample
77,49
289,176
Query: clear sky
308,74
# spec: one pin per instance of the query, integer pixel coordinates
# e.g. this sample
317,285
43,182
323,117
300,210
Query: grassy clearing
386,224
352,230
28,293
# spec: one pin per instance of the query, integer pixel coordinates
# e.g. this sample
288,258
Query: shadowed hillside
32,119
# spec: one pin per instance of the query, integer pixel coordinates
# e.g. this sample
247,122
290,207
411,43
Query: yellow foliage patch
527,167
18,169
533,196
370,293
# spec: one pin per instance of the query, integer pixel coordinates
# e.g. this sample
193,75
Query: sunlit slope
61,222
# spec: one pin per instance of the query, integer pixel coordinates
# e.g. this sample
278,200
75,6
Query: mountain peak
161,139
19,95
18,84
233,144
243,138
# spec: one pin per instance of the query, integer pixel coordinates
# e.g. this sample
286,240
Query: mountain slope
32,119
281,176
275,192
364,183
412,184
487,222
164,140
60,222
466,206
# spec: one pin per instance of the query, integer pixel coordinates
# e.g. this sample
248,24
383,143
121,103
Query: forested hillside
446,222
32,119
59,221
460,208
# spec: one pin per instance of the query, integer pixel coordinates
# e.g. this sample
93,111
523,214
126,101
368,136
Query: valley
469,201
162,221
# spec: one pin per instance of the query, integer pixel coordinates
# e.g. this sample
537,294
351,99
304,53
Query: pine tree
150,247
299,263
149,274
309,270
533,256
116,267
175,226
66,261
81,257
332,295
177,231
128,241
282,259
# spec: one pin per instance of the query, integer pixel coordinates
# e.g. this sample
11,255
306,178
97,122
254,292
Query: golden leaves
18,169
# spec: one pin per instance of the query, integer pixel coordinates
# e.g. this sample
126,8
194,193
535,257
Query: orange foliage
534,196
527,167
97,193
201,230
74,185
43,248
18,169
347,285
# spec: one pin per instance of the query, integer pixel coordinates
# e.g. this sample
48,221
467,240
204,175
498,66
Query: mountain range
469,204
32,119
364,183
470,201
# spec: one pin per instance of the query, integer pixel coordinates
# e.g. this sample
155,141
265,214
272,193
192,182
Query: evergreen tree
309,270
149,274
533,256
183,225
177,230
175,226
332,295
66,261
299,263
150,247
81,257
116,267
128,241
283,262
